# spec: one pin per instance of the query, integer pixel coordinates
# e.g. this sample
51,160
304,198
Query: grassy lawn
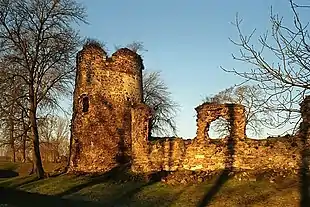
115,189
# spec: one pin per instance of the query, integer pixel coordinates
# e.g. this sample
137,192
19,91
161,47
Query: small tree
157,96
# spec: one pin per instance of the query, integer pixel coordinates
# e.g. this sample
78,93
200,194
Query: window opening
219,128
85,102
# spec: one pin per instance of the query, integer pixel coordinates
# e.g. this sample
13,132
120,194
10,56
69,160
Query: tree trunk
12,141
13,151
24,149
24,138
37,162
69,154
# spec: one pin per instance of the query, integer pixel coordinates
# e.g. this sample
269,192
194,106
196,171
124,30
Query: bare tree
280,63
38,45
53,128
250,97
12,104
157,96
54,131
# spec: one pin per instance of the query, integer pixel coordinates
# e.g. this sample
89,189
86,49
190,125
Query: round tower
105,90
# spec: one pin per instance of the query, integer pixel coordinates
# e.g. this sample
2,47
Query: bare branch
286,81
158,98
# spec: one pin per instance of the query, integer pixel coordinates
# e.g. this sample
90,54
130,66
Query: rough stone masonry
110,126
105,90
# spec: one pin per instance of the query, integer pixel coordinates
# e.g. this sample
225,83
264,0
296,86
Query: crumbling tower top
127,61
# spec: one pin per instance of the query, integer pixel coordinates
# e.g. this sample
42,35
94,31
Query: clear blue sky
186,40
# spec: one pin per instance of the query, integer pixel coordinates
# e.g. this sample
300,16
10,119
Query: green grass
6,165
115,189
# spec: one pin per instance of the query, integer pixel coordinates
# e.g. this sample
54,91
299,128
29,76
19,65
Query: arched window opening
219,128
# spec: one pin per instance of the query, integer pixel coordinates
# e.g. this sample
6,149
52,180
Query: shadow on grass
116,188
116,174
16,182
13,197
223,178
119,174
20,198
8,173
132,194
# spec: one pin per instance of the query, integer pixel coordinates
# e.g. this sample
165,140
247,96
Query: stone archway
209,112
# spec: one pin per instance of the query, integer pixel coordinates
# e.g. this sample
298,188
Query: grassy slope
71,190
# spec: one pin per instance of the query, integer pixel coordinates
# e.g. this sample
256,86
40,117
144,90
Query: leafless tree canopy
55,129
37,48
157,96
280,64
250,97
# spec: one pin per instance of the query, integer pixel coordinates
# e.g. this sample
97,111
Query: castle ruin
110,126
105,90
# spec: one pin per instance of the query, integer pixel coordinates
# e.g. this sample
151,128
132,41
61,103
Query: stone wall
105,90
235,152
209,112
110,126
179,154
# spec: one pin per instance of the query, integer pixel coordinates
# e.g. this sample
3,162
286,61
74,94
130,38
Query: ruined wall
110,126
209,112
259,155
202,153
105,90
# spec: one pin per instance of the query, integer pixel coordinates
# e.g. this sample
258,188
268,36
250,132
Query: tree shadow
16,182
16,197
96,179
119,174
8,173
229,160
117,188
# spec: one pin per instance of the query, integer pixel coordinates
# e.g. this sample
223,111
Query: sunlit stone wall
105,90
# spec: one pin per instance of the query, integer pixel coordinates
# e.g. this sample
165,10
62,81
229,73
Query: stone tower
105,90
